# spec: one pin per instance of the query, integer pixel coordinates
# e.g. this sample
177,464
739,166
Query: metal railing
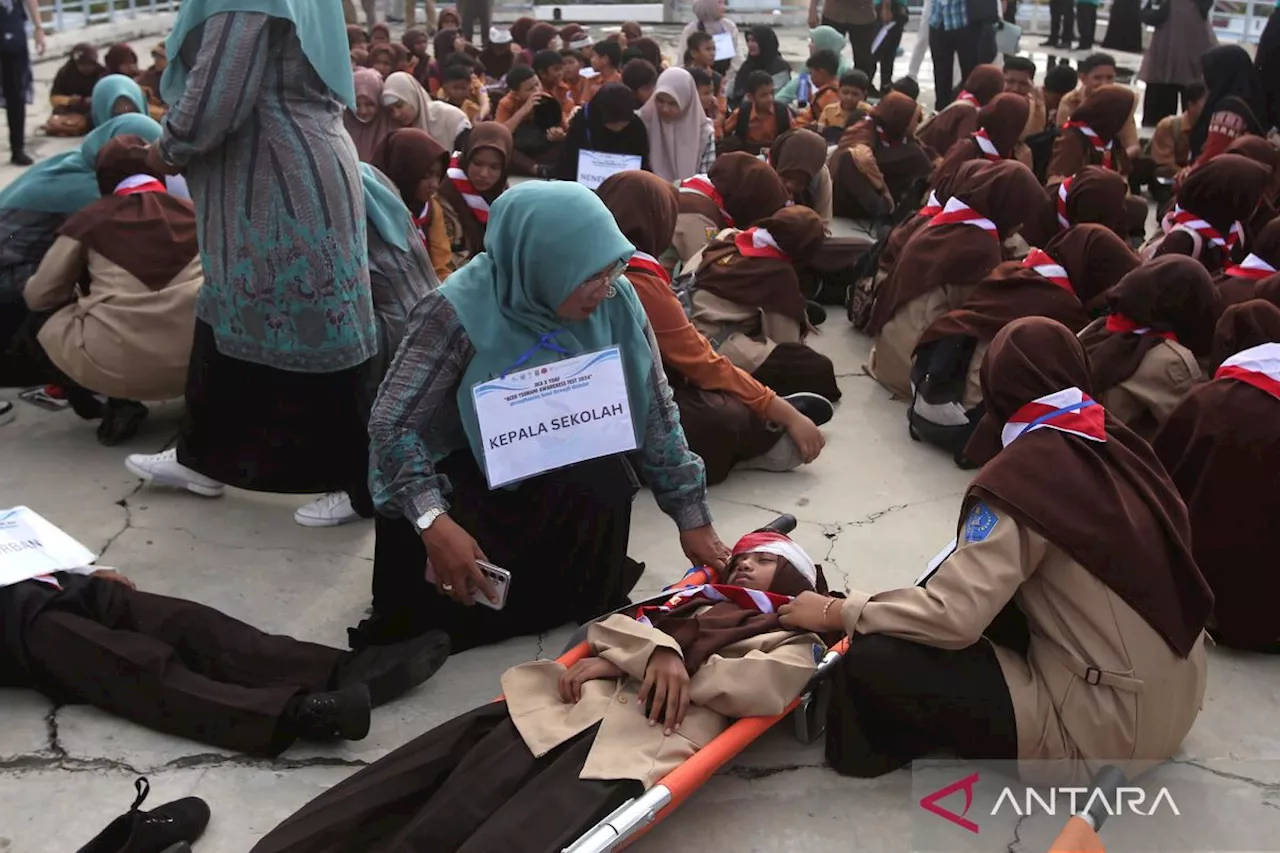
64,15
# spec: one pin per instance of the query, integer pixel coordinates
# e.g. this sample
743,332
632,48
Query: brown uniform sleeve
628,644
54,284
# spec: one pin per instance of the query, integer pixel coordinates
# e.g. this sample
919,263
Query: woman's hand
665,690
452,553
703,547
156,164
813,612
587,669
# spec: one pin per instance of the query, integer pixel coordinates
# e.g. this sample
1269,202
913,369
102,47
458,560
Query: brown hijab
1002,120
70,80
985,82
520,30
645,208
486,134
1171,294
1260,151
1095,194
800,153
1109,505
750,188
1221,447
893,115
1106,110
1225,190
768,283
1266,245
405,156
151,235
1095,260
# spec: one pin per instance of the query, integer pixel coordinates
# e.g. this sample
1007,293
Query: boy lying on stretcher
567,746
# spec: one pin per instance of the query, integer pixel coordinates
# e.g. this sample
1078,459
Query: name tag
30,546
596,167
553,416
725,48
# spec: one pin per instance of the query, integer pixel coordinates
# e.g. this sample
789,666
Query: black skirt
562,535
794,368
722,430
270,430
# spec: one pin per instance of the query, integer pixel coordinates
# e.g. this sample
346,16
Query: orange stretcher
639,814
1080,835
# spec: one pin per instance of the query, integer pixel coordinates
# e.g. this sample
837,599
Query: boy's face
1018,82
600,63
762,98
551,77
705,55
851,98
383,65
456,92
753,571
570,68
1103,75
527,89
820,77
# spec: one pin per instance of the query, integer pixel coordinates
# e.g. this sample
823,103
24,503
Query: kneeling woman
560,523
1065,626
568,746
1144,353
748,302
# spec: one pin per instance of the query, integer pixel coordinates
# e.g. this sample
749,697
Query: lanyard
547,342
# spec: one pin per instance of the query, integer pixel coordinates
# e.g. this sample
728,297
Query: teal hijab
543,241
112,88
384,209
68,183
320,26
823,38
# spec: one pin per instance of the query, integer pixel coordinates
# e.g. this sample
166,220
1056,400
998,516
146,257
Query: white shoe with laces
7,414
328,510
163,469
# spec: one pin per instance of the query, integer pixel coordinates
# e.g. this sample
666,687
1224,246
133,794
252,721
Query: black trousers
946,46
15,70
1062,20
174,665
896,701
861,37
1087,18
470,11
1160,100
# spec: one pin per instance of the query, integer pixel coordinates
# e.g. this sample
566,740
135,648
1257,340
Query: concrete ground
874,508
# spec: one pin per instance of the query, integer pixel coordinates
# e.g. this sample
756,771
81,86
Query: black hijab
1234,84
769,60
587,131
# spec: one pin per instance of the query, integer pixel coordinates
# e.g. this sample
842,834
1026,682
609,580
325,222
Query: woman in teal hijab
116,95
547,287
820,38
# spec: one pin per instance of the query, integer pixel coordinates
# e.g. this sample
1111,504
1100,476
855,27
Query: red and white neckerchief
1047,268
1179,218
1121,324
1070,410
135,184
932,207
714,593
968,98
645,262
1257,366
475,201
1095,140
49,579
422,221
759,243
1063,189
1251,267
988,147
958,213
702,185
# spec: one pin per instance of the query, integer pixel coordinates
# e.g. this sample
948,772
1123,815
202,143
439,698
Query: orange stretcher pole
1078,836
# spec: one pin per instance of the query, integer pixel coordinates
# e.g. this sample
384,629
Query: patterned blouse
280,208
417,413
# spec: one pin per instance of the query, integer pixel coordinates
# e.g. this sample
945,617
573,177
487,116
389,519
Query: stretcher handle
1106,782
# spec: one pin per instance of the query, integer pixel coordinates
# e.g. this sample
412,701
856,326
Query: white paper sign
553,416
882,35
30,546
596,167
725,48
588,73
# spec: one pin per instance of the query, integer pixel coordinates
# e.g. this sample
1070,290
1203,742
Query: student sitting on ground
367,124
762,55
574,62
712,104
72,92
407,104
800,158
822,89
1220,447
681,138
1238,282
834,118
416,164
1094,194
549,65
1000,125
567,746
149,80
700,52
737,192
1020,79
758,120
607,124
1169,151
606,65
477,175
878,161
534,119
641,77
114,298
960,117
457,87
728,417
1144,353
1091,134
749,303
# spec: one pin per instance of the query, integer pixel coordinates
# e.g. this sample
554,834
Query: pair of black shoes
172,828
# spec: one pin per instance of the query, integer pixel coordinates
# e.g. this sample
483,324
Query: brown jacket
1145,697
120,338
1170,146
1143,401
755,677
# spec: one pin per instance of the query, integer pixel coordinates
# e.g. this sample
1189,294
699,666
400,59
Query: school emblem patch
819,652
980,523
711,232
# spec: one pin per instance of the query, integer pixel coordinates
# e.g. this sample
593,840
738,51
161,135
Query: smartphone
499,579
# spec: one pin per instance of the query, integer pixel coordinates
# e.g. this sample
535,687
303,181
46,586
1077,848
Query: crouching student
942,262
1144,353
737,192
1218,446
1066,624
1063,282
758,119
728,417
117,291
748,302
565,747
90,636
878,161
835,117
71,94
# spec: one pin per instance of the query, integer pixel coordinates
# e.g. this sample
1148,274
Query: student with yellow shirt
835,117
759,120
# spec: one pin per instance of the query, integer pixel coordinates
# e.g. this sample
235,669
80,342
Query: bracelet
827,607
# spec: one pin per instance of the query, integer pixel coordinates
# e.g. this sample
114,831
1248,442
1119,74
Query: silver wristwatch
427,519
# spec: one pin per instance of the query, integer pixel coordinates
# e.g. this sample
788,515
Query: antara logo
1126,800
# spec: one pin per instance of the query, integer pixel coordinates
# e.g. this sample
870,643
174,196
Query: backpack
936,415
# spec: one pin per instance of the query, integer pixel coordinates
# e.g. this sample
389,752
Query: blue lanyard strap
1083,404
547,342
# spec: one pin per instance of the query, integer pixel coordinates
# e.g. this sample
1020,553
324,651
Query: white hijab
443,121
675,147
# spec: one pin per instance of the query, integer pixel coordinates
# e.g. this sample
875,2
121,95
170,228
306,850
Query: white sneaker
783,456
163,469
328,510
7,414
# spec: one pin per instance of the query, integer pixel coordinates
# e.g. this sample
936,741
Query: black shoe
21,158
1049,42
1085,46
392,671
1066,44
340,715
120,421
168,828
816,313
815,407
